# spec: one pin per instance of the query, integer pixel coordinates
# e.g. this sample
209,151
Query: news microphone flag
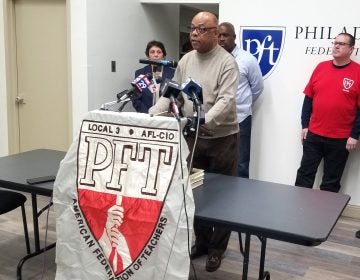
139,86
170,88
190,88
142,82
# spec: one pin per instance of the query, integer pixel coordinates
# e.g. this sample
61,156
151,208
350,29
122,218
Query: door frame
11,75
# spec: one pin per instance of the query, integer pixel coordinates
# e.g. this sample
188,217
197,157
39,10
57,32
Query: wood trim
352,211
11,76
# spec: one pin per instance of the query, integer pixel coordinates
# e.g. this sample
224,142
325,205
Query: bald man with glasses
216,71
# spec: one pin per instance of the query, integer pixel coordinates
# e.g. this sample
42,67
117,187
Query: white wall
276,147
119,31
78,66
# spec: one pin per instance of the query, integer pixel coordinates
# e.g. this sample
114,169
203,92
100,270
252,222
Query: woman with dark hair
155,50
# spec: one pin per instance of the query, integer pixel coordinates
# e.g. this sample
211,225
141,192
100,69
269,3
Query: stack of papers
196,177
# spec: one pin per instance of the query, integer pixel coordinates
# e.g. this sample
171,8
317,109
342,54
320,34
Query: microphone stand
194,126
174,108
115,106
197,110
123,103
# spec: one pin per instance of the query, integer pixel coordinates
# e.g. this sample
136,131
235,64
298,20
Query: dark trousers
217,155
334,153
244,148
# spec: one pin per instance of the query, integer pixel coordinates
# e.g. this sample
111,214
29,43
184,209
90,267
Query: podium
124,208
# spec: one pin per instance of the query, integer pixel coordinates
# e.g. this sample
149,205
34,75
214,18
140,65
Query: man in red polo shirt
330,116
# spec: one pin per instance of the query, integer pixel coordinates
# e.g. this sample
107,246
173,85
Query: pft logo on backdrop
265,43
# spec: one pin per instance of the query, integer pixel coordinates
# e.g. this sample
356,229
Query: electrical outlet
113,66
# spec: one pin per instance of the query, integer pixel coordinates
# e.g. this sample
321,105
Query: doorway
38,102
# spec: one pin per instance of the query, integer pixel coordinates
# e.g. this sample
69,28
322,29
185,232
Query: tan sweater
218,75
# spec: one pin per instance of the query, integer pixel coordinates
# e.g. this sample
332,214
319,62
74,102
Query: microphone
139,86
121,96
193,90
171,63
171,90
174,108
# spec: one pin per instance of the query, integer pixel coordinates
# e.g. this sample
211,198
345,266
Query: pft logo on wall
265,43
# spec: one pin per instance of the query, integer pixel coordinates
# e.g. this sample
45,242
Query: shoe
197,252
213,262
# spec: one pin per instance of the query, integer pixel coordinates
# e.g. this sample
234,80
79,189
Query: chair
11,200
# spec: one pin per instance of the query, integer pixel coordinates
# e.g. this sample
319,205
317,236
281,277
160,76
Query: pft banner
119,200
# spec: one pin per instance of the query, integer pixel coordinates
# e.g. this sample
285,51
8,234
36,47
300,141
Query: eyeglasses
341,44
201,29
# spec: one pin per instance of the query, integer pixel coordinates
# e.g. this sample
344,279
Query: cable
198,109
188,180
184,189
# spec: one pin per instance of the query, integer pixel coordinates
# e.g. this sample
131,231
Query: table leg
240,243
262,274
38,250
29,256
246,256
35,222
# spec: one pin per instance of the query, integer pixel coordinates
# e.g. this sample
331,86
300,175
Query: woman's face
155,53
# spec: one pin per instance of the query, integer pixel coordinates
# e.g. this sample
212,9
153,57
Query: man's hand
304,134
351,144
180,101
203,130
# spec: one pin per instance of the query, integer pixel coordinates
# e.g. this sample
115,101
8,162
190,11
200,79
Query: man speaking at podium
216,71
